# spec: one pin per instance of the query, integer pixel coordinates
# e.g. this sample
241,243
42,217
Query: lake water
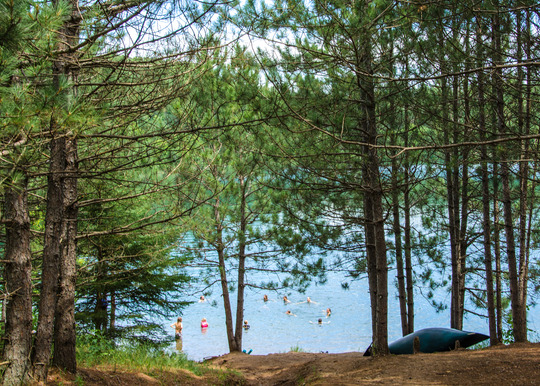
347,329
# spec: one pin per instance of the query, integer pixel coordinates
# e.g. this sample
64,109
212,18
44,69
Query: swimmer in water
204,323
265,298
246,325
319,322
202,299
290,313
309,301
286,300
328,312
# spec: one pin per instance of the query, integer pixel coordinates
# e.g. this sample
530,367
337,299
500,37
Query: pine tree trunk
224,283
51,257
64,329
64,338
373,209
18,285
241,266
402,296
524,185
407,231
486,202
517,312
497,252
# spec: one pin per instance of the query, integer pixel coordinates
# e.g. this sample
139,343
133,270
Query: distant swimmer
202,299
204,323
309,301
265,298
177,328
286,300
290,313
320,322
246,325
328,312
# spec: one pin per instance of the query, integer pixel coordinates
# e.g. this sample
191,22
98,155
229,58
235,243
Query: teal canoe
434,340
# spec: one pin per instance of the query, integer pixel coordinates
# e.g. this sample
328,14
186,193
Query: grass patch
95,350
297,348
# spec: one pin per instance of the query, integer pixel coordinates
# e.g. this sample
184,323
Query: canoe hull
434,340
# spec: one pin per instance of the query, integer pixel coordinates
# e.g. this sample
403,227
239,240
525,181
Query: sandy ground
517,364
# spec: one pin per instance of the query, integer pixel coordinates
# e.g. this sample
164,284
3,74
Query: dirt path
517,364
504,365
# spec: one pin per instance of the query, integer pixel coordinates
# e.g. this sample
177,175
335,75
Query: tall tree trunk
486,202
373,208
453,209
241,266
220,247
54,218
407,228
64,327
517,312
402,296
523,125
65,66
18,285
497,252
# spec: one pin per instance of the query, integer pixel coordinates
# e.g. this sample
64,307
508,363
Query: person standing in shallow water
177,328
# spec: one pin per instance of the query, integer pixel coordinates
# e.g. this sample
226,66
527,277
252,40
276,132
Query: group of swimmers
204,323
308,300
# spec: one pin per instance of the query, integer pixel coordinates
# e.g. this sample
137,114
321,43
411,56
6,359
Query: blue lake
347,329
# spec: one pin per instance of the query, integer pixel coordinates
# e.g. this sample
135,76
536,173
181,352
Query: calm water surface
273,331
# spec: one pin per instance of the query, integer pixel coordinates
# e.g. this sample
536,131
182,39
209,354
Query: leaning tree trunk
18,285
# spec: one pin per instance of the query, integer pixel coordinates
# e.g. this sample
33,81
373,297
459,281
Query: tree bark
64,329
524,129
402,296
486,202
224,282
18,285
373,209
520,334
51,257
241,264
407,229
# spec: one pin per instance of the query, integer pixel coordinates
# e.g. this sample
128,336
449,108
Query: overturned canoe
434,340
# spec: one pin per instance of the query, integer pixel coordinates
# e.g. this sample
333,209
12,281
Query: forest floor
516,364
